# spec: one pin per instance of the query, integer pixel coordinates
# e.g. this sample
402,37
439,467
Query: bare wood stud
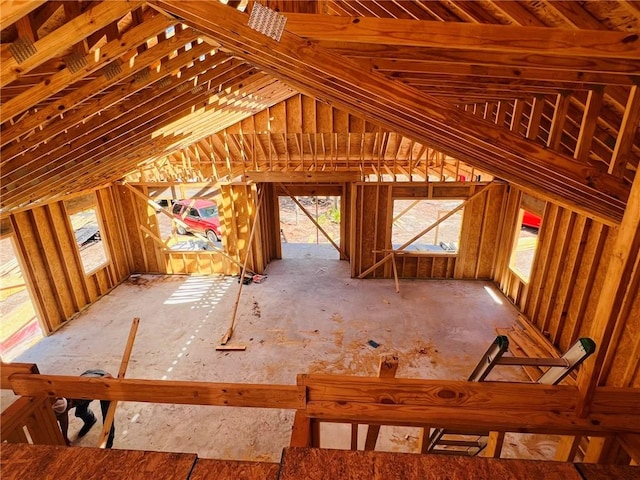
124,363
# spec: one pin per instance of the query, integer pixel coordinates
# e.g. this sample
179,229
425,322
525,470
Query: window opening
85,221
195,225
525,244
410,217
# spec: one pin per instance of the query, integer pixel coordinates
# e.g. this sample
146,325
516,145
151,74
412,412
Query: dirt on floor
307,316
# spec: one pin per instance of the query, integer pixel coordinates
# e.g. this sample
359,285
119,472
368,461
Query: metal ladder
470,442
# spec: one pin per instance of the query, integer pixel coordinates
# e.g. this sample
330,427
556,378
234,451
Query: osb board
207,469
321,464
43,462
592,471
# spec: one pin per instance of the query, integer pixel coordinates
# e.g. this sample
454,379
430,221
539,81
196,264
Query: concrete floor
307,316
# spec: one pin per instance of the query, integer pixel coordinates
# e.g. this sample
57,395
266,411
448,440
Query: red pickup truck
199,216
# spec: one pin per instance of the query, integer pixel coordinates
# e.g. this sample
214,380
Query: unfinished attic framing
120,106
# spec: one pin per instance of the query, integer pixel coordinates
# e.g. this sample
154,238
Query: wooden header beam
302,177
403,109
468,36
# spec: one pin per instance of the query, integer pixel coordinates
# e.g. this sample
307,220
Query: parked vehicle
200,216
531,220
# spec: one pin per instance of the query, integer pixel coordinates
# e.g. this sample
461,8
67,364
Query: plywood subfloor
307,316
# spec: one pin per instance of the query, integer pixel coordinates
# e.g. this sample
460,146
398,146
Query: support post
387,369
124,363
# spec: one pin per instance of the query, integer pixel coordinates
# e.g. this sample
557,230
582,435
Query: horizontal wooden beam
468,36
495,74
302,177
508,420
514,60
520,407
8,369
168,190
444,393
421,117
160,391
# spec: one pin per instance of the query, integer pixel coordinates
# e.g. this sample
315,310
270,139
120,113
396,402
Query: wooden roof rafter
103,163
307,67
50,113
70,33
63,78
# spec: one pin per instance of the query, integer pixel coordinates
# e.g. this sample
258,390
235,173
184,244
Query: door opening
300,237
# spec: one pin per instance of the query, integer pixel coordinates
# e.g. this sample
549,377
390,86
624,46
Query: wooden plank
8,369
567,448
47,423
70,33
301,177
309,463
209,469
494,445
588,125
510,60
14,10
430,121
233,348
15,416
395,272
607,472
301,430
157,391
558,121
493,395
387,368
619,273
626,134
495,38
124,363
514,419
600,449
26,462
